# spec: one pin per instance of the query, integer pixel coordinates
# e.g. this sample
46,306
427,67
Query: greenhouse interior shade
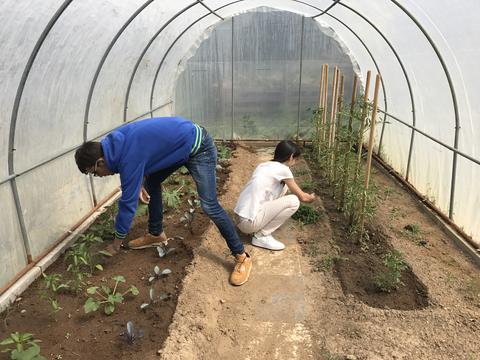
71,71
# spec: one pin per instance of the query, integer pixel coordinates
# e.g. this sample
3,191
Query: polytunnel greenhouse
369,246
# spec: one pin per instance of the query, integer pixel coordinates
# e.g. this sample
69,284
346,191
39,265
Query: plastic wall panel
21,25
105,186
54,197
52,108
467,199
203,89
139,101
431,171
165,111
12,252
116,72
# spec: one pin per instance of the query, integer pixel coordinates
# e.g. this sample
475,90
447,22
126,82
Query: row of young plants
339,152
83,260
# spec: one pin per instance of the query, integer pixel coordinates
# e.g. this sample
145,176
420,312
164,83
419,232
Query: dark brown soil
357,264
72,334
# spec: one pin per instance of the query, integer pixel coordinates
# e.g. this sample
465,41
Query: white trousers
271,216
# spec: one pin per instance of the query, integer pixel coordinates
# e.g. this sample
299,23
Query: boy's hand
143,196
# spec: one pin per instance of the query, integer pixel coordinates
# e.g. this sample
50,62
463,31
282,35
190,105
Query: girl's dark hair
87,155
285,149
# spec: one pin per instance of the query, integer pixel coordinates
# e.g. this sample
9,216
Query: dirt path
286,311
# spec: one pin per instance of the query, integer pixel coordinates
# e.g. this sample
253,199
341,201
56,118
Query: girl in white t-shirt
263,205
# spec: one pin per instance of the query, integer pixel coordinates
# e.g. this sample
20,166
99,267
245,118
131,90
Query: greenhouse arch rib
13,123
137,64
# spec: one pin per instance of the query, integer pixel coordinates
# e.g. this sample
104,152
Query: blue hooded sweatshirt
142,148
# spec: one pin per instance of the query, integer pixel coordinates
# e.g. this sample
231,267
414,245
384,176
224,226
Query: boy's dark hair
285,149
87,155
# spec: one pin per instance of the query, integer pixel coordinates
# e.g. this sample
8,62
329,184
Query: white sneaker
267,242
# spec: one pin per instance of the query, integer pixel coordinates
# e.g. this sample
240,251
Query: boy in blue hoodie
154,149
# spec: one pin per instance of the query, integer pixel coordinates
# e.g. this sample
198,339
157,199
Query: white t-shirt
264,185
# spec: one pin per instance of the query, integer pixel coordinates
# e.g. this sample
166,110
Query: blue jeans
202,167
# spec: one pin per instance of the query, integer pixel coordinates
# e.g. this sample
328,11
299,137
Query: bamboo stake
371,141
337,131
320,107
362,126
324,104
348,143
333,107
331,126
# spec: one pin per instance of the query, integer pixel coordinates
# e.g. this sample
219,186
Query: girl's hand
310,198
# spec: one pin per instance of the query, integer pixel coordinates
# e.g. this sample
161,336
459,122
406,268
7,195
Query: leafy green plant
82,263
171,197
25,347
326,263
307,186
104,225
223,151
53,284
391,279
306,214
103,295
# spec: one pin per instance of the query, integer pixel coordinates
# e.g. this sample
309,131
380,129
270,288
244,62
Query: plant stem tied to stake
369,155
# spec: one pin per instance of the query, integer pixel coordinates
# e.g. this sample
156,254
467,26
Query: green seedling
53,284
307,186
80,260
171,198
103,295
25,347
157,274
306,215
390,280
224,152
413,231
326,263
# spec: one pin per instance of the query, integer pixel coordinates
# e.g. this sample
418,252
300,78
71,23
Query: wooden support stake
348,144
320,108
371,141
333,108
362,126
324,105
337,127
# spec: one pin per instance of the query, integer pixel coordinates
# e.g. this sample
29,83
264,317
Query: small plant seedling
391,279
307,186
413,231
131,335
107,297
171,198
326,262
52,284
157,274
153,300
163,250
306,215
25,347
223,151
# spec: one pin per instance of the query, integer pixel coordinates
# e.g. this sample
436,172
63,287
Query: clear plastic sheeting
267,59
74,70
51,209
12,253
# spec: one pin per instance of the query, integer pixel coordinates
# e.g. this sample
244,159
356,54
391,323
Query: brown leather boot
146,241
241,271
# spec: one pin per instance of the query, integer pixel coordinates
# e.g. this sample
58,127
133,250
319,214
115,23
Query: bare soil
314,300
